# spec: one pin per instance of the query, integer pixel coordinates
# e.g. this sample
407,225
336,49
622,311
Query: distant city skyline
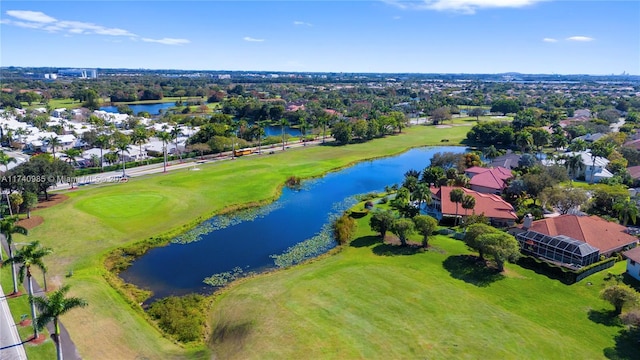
429,36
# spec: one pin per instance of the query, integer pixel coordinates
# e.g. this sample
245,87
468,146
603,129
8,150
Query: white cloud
167,41
550,40
461,6
42,21
397,17
580,38
250,39
34,16
302,23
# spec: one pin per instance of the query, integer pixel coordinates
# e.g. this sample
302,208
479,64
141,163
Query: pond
277,131
263,238
152,109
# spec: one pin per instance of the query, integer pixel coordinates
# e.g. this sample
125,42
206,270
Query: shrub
181,317
343,229
293,182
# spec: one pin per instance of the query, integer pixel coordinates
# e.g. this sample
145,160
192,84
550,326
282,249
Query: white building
592,168
633,262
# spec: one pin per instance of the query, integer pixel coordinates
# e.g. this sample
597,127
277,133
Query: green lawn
98,219
19,306
373,301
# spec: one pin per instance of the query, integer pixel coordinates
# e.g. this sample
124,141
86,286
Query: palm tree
165,137
104,142
53,142
523,140
304,126
574,164
283,122
72,154
599,149
8,227
139,137
6,160
261,125
491,152
578,145
52,307
626,210
468,202
122,142
421,193
456,196
175,133
30,255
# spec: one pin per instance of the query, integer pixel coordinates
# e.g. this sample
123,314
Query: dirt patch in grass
36,220
54,200
443,126
31,223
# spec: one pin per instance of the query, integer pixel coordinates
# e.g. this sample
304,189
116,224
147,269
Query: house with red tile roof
633,262
492,206
608,237
488,180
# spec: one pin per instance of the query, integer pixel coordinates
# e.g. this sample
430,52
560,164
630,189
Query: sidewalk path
11,347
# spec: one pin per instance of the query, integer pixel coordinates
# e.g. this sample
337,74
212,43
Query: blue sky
431,36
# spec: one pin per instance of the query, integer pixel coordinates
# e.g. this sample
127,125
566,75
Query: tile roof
493,206
493,178
633,254
634,171
604,235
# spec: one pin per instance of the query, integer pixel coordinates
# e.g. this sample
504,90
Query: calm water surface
152,109
179,269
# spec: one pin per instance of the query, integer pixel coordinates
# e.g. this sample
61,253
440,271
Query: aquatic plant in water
222,279
226,220
319,243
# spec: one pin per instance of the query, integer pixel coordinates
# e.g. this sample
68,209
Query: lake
152,109
234,246
277,131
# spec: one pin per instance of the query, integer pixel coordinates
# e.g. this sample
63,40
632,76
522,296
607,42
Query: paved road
11,347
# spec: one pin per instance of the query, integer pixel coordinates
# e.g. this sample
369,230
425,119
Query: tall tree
422,193
598,149
122,142
54,142
165,137
491,152
261,125
402,228
175,134
28,256
8,227
468,203
283,123
104,142
626,210
30,202
501,246
456,196
381,221
472,234
139,137
477,112
619,295
425,225
52,307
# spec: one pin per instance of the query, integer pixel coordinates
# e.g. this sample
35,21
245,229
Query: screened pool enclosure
560,248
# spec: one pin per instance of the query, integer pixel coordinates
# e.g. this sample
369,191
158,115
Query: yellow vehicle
242,152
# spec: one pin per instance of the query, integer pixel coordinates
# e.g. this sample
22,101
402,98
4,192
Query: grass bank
20,306
96,220
377,301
